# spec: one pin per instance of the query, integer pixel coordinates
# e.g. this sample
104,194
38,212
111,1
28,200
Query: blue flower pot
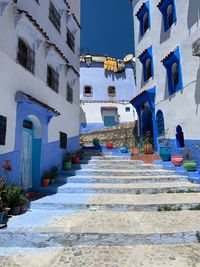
123,149
165,153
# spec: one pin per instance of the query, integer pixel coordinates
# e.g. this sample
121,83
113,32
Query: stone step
174,255
116,166
109,162
108,228
120,180
117,202
113,172
109,158
119,188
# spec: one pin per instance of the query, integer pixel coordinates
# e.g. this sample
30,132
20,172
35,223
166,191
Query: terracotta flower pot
148,149
45,182
177,160
75,160
109,146
135,151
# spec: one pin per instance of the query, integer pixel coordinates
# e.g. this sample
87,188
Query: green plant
23,200
68,157
136,141
96,141
54,172
3,197
187,155
197,207
147,139
13,194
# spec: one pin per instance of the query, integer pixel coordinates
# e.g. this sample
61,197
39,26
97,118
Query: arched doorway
30,152
146,121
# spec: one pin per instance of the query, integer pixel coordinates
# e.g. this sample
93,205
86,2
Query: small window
168,10
3,126
148,69
69,94
70,40
160,123
63,140
175,74
25,55
87,90
128,109
111,91
145,22
54,16
52,78
179,137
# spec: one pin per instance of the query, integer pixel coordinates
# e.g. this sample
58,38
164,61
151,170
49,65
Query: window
147,61
179,137
54,16
168,10
87,90
52,78
63,140
69,94
111,91
174,73
70,40
128,109
3,126
25,55
160,123
143,16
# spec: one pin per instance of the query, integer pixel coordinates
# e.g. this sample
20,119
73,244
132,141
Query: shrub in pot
81,155
67,164
177,160
96,142
135,149
75,158
147,143
23,201
14,194
189,165
54,174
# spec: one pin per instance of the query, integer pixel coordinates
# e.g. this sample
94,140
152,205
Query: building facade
39,71
168,72
105,93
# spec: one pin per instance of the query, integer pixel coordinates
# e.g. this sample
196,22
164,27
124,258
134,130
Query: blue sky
107,27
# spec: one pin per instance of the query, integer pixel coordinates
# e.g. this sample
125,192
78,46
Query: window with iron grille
52,78
25,56
54,16
70,40
69,94
111,91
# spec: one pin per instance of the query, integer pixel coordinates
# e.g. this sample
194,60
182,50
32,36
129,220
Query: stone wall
122,134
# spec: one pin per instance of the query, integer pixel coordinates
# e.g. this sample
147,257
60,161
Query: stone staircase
104,204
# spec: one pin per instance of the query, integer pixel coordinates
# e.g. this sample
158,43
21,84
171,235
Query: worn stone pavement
81,224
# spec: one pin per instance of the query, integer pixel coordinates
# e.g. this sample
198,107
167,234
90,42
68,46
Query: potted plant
164,150
123,149
54,174
46,178
189,165
109,145
13,194
147,143
81,154
75,158
67,164
96,142
135,149
23,201
177,160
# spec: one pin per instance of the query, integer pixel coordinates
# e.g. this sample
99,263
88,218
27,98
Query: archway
146,121
30,153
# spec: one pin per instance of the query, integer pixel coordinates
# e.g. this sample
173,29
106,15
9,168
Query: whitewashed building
105,94
168,71
39,85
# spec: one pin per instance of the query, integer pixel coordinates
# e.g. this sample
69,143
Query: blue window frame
174,73
143,16
168,10
146,58
160,123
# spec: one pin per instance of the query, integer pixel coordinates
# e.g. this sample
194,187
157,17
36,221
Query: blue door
109,121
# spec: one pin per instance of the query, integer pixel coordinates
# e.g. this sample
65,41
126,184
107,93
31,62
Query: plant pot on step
67,165
165,153
177,160
45,182
190,165
123,149
1,216
16,210
135,151
75,160
109,146
148,149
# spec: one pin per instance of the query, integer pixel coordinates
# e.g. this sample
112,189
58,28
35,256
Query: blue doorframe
147,96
